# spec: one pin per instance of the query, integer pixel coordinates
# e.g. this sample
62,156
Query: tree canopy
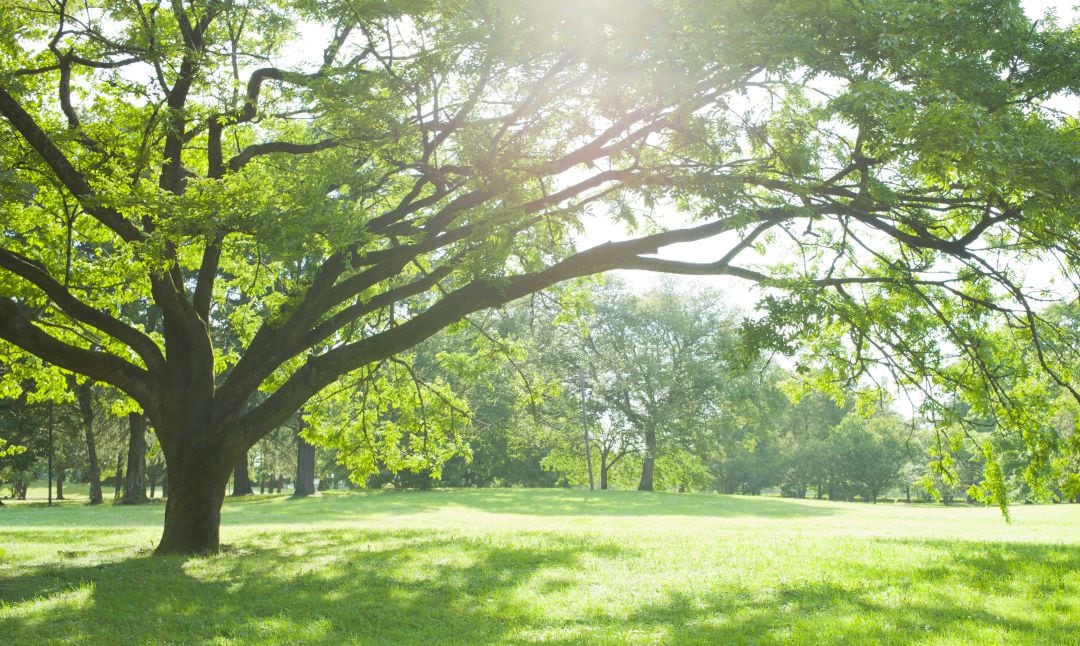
219,224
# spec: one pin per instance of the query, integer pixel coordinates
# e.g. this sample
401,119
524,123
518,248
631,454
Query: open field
523,566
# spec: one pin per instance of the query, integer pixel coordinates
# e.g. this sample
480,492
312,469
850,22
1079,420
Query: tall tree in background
304,484
242,477
660,361
135,474
437,156
84,397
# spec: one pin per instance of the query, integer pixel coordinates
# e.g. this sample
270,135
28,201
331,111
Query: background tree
658,360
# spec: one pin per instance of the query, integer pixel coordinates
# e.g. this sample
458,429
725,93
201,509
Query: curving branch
63,169
17,328
286,147
320,371
36,274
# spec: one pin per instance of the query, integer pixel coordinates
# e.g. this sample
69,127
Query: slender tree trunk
165,485
118,483
153,486
603,470
649,461
241,477
60,483
86,410
305,464
135,482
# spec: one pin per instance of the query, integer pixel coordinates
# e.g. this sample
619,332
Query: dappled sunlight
48,603
607,567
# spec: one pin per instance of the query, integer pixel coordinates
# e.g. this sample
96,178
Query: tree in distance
436,158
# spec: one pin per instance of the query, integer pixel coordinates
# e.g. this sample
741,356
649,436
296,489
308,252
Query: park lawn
564,566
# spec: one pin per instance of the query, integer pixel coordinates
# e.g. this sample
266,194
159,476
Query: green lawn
523,566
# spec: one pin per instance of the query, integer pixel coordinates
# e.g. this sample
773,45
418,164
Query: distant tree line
671,395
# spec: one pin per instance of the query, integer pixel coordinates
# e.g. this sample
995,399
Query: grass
524,566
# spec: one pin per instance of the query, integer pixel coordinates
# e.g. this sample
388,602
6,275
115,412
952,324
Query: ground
564,566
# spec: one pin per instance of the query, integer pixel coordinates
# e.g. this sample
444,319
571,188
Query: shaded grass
520,566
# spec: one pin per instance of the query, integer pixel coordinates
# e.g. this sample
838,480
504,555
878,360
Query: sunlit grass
520,566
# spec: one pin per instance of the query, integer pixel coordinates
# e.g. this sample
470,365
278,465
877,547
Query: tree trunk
649,462
165,485
305,464
135,482
603,470
60,483
153,486
241,477
118,483
86,410
193,508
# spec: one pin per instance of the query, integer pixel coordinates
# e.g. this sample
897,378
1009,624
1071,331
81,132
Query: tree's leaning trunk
649,462
305,465
241,477
86,410
135,482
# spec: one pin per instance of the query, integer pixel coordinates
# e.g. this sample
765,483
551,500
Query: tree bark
193,508
305,464
649,461
135,482
60,483
86,410
241,477
603,470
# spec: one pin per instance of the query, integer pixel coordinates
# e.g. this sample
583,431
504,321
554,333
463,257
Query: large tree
436,156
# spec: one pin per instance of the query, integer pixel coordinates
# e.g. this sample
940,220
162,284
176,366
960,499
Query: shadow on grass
387,587
402,587
532,502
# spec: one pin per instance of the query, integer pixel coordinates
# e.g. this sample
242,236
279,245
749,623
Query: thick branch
62,167
287,147
17,329
80,311
322,370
